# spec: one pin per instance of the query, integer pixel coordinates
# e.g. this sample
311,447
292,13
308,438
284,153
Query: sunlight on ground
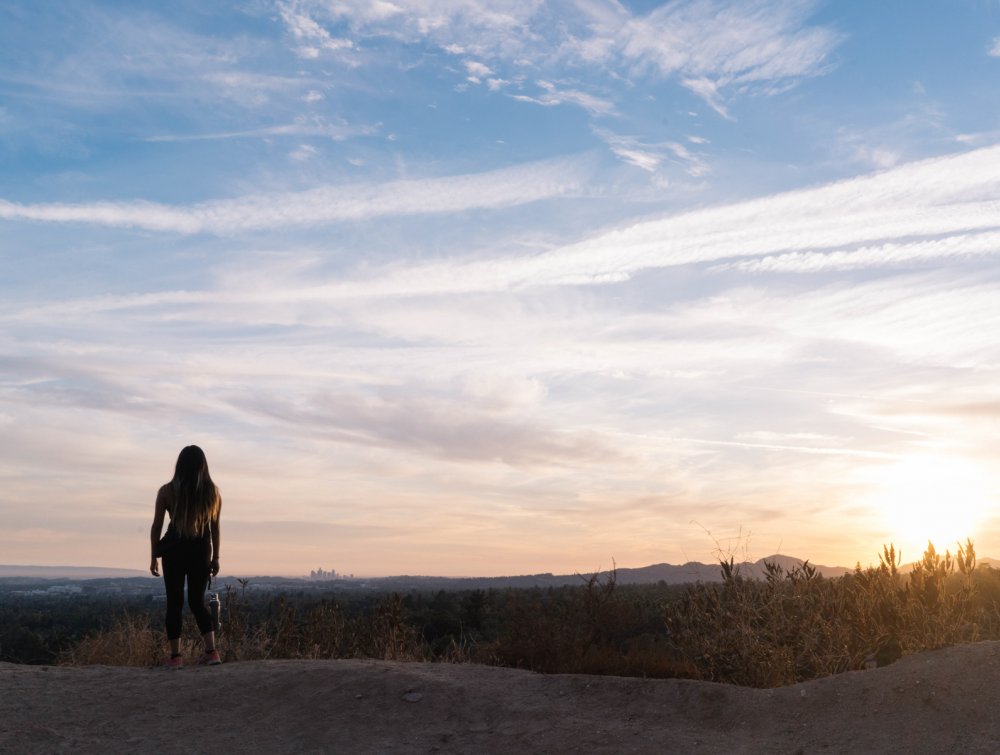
934,498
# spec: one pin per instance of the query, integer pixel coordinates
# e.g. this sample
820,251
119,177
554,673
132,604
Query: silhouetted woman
190,549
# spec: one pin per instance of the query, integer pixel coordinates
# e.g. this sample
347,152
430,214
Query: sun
931,498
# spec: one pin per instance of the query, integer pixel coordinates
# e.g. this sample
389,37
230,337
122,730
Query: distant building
321,573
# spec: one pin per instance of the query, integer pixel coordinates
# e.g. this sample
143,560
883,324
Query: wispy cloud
889,143
477,71
303,126
713,47
650,157
994,50
553,95
708,90
114,56
303,152
978,138
965,245
311,39
631,150
499,188
939,208
935,208
694,166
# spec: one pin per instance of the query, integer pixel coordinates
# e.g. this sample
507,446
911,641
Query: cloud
632,151
477,71
708,90
978,138
994,50
713,47
312,39
115,57
254,90
930,209
694,165
812,449
303,153
935,209
894,253
408,419
552,95
505,187
302,126
886,145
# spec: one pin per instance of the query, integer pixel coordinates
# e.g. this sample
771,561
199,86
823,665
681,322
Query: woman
189,550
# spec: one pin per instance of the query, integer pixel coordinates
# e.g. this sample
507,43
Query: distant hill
68,572
692,571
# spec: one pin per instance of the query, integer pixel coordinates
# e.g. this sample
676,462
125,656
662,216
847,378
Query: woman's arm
215,540
157,529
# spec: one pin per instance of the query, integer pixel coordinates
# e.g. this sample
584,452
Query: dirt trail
945,701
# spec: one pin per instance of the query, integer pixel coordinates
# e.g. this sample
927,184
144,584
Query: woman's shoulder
165,493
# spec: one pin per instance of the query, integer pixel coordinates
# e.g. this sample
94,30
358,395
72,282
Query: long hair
196,498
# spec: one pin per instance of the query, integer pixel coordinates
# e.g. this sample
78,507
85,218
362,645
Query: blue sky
467,287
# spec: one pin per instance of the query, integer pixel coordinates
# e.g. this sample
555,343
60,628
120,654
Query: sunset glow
933,498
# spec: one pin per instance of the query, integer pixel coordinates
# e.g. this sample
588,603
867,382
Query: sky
486,287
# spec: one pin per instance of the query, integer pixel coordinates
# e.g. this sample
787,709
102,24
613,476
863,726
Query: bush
797,626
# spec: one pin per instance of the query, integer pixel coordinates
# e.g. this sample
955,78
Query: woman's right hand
154,567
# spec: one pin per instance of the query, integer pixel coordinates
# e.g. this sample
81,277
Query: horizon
494,288
745,559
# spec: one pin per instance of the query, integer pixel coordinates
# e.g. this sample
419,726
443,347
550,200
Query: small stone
412,697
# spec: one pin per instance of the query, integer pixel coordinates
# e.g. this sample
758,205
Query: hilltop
928,703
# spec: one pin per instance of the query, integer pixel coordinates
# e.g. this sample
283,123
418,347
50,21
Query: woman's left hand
215,567
154,567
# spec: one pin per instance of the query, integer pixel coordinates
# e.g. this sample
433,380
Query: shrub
797,626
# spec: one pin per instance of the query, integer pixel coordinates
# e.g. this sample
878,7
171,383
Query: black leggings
190,559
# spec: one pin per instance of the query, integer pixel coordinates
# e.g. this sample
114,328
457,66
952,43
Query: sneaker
174,662
210,659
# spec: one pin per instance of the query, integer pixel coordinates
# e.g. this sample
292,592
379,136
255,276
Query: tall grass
130,641
797,625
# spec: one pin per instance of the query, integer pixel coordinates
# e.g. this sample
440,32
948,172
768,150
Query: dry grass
786,628
130,641
321,632
797,626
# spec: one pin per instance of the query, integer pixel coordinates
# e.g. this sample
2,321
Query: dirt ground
944,701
